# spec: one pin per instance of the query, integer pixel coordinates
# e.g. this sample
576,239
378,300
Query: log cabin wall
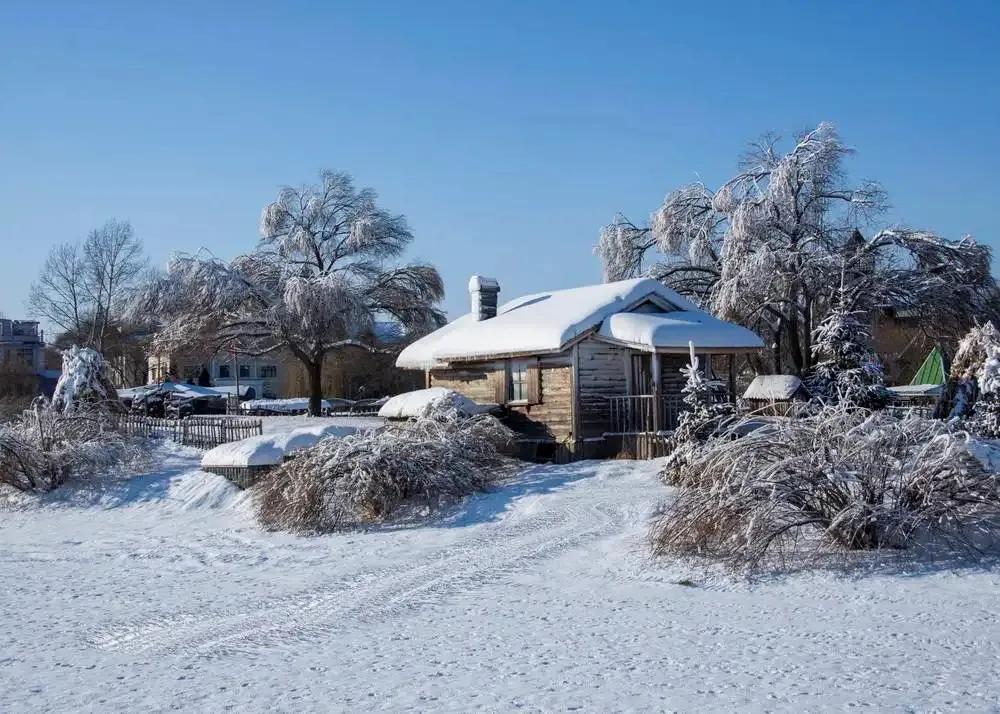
550,418
478,381
602,372
671,379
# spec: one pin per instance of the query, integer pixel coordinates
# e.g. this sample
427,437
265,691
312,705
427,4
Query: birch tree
767,250
322,273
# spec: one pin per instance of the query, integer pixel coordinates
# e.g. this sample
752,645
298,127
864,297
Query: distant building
22,359
22,344
259,377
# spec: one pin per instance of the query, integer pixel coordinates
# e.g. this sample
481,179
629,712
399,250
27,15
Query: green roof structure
932,370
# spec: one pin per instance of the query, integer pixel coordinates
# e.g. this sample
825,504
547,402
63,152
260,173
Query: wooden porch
644,413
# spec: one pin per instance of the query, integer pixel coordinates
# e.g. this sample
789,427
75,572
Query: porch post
732,377
656,364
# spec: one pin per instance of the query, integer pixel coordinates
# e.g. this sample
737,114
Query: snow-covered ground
161,593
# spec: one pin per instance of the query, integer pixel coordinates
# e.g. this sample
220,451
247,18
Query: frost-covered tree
848,369
706,407
84,383
766,249
988,407
320,276
974,350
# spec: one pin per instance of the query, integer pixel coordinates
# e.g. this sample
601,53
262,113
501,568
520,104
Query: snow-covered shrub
44,447
843,477
73,435
84,383
963,387
848,370
364,478
987,410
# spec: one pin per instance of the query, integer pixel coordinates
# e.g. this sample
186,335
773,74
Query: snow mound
271,449
412,404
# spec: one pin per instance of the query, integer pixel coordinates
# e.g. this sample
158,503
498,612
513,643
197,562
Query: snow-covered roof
773,387
182,389
674,330
541,323
917,390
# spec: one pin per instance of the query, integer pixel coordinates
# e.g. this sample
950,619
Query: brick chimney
484,293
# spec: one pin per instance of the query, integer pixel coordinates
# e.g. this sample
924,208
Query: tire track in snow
494,552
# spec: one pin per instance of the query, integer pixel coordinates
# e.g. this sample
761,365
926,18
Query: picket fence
198,431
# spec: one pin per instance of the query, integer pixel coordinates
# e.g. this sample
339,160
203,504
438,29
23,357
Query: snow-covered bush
849,370
84,383
341,483
844,477
963,388
44,447
987,411
73,435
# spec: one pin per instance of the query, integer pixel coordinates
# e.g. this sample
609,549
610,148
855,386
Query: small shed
774,392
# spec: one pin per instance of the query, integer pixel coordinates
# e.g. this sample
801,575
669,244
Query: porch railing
644,413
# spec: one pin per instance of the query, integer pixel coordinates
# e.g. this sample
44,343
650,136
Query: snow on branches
320,276
842,477
766,248
848,369
84,383
343,483
706,406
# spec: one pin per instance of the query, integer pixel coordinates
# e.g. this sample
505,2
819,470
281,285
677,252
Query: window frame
519,367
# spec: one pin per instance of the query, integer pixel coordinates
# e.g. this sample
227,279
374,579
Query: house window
224,372
518,391
191,372
244,371
268,372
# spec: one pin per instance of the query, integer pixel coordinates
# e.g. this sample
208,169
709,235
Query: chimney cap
479,283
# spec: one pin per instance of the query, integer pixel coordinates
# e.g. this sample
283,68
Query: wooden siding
476,381
671,379
601,373
550,419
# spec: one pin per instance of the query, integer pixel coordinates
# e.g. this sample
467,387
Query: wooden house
584,372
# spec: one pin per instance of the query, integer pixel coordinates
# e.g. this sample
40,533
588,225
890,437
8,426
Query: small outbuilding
577,371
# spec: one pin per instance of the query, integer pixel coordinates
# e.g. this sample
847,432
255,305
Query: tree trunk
315,371
807,334
777,346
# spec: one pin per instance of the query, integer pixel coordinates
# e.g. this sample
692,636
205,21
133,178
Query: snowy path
160,593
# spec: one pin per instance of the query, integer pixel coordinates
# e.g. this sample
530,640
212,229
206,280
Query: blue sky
507,133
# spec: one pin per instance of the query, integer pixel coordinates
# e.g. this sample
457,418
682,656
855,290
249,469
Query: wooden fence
199,431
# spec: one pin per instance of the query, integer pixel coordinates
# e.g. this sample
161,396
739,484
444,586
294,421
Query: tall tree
83,288
60,293
114,261
321,274
767,249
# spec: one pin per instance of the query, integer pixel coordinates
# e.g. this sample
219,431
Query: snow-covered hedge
341,483
850,478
